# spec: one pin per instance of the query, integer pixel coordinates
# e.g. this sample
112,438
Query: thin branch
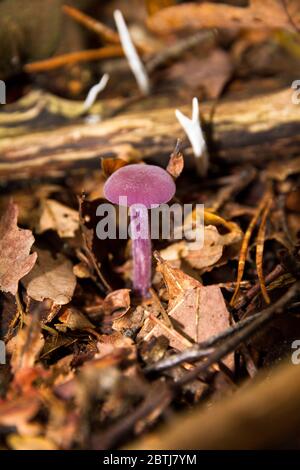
94,92
74,58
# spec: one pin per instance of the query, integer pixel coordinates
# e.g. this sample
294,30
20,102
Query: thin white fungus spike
131,54
94,92
192,128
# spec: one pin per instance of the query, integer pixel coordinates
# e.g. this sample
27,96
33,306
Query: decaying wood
233,422
46,136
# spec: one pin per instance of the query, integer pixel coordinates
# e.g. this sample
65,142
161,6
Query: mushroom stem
141,249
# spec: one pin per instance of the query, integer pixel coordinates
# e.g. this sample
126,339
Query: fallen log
45,135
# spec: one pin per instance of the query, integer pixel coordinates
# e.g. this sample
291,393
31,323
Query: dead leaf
116,303
212,15
15,245
58,217
26,346
176,280
155,5
17,442
18,413
198,311
110,165
51,278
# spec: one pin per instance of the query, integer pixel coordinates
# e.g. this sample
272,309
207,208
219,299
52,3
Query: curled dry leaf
15,245
51,278
58,217
17,442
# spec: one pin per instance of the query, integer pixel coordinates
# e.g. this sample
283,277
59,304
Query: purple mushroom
145,187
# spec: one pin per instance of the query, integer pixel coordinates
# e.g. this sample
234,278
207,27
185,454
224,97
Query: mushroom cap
141,184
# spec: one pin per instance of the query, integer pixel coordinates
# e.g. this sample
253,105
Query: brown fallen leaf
72,318
15,245
212,15
58,217
281,170
51,278
209,74
198,311
17,442
176,162
176,280
109,343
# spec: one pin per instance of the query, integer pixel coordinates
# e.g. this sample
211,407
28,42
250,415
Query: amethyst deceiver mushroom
147,186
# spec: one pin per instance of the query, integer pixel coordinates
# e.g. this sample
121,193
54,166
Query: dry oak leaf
198,311
58,217
51,278
15,245
284,15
